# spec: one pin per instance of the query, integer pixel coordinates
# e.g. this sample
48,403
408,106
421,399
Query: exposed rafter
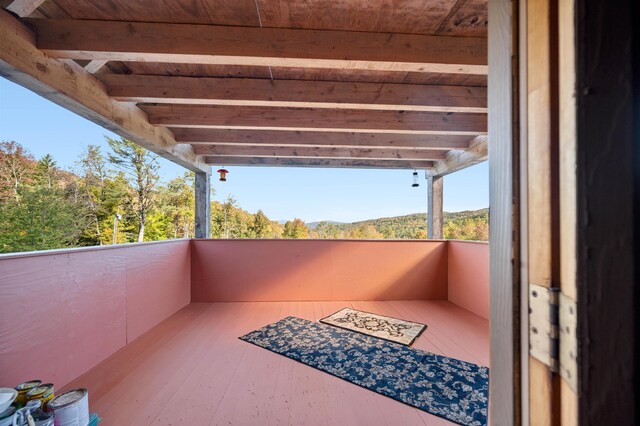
319,152
295,93
333,139
458,159
210,44
69,85
315,118
320,162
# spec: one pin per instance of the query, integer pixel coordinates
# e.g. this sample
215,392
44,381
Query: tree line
117,197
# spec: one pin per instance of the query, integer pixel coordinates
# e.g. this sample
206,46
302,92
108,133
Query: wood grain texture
71,87
318,152
315,118
319,162
568,180
503,201
322,139
209,44
293,93
317,270
543,202
239,383
90,304
297,73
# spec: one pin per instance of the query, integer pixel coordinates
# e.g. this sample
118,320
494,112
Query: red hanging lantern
223,174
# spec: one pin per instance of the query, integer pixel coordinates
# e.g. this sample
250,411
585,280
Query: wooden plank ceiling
340,83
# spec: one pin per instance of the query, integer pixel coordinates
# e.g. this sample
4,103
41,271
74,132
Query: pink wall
269,270
64,311
468,265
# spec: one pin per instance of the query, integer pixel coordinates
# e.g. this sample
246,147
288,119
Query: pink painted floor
193,370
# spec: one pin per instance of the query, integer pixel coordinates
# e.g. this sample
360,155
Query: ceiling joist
319,162
295,93
72,87
318,138
315,118
227,45
319,152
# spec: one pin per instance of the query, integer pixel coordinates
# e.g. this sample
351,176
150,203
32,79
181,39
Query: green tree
261,226
177,202
140,167
366,232
295,229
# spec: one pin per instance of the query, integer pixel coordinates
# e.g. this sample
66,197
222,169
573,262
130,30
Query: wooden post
504,200
203,205
434,204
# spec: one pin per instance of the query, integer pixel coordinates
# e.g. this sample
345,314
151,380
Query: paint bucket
23,388
71,408
42,392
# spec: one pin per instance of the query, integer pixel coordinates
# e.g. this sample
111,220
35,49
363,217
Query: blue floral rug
446,387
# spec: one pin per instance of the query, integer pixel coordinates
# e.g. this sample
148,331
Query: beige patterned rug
392,329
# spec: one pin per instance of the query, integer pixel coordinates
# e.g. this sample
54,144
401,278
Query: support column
203,205
434,206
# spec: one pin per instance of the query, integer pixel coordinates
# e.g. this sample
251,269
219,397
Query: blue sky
342,195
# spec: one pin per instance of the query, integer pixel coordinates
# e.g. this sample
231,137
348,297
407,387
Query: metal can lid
40,389
67,398
28,385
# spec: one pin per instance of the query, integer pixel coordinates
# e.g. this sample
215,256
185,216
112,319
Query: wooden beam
310,118
458,159
24,8
295,93
226,45
319,162
95,66
318,152
304,138
435,210
202,205
70,86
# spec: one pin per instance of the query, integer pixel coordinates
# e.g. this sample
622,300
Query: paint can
71,408
23,388
42,392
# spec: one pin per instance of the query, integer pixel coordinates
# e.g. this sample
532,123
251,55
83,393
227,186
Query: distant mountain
468,225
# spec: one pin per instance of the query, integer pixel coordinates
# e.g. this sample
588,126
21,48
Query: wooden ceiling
324,83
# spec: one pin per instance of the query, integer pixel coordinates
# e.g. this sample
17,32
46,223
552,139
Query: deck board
193,369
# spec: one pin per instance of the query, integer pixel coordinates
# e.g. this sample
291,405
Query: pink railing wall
468,276
271,270
65,311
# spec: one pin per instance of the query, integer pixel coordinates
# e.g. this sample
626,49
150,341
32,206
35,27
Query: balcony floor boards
192,369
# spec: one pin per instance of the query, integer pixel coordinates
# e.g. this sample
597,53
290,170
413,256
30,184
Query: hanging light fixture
415,183
223,174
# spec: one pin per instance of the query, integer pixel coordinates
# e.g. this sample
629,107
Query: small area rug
446,387
383,327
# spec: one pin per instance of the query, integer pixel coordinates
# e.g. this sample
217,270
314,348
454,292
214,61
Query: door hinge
552,331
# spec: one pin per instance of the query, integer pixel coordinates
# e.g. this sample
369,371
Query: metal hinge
552,331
